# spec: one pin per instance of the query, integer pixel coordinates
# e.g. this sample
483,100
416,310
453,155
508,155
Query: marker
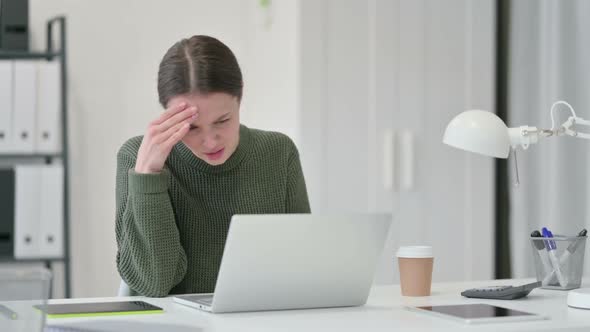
551,246
540,246
6,312
573,246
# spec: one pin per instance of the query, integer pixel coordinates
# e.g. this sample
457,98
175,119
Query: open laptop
295,261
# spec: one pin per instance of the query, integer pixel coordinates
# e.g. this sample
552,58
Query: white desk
384,311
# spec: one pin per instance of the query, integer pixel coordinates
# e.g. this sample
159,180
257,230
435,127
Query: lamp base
579,298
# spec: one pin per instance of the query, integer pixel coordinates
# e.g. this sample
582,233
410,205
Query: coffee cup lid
415,252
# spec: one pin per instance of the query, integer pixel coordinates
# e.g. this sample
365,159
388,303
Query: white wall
114,48
270,63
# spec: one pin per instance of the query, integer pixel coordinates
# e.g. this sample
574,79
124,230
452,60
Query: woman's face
214,135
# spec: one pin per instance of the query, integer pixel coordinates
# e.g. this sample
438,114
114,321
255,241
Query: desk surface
384,311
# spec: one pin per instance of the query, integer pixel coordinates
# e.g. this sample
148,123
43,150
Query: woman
179,185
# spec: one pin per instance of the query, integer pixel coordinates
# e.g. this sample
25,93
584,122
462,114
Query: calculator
501,292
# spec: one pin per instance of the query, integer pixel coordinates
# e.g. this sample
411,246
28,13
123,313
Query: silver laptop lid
293,261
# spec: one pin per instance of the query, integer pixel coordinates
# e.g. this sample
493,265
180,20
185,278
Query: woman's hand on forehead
162,134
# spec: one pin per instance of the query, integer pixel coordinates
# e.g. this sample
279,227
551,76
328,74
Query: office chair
124,290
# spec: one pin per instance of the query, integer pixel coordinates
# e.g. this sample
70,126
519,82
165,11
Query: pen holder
20,290
559,261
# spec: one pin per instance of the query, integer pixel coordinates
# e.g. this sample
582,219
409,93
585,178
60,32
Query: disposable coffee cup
415,270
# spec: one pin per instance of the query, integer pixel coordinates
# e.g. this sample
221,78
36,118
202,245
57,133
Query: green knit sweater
171,226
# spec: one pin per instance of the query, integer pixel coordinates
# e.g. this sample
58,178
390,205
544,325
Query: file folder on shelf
48,133
26,211
6,94
51,217
6,212
25,100
38,211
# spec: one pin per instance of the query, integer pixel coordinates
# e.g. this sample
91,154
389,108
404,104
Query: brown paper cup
415,272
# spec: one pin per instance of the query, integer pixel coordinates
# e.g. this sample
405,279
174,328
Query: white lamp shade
480,132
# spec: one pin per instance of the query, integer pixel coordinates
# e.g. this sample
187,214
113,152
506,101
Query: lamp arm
524,136
572,122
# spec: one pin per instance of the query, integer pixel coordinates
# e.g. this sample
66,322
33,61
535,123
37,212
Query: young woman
196,166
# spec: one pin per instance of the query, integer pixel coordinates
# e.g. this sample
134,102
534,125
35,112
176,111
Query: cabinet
380,80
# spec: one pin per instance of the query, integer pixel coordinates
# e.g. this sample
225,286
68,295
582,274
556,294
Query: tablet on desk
478,313
98,309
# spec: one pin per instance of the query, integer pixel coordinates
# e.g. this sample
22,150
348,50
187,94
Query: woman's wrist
141,169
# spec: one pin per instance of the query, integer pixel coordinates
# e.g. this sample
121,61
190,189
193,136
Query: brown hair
200,64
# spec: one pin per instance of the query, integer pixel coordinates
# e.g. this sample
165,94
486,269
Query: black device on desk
501,292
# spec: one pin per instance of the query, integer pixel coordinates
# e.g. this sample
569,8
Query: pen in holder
559,260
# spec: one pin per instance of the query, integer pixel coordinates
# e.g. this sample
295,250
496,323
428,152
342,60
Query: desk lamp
485,133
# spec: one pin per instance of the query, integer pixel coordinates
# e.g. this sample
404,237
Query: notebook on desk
98,309
295,261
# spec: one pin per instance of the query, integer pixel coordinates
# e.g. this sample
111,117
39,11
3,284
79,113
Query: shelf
56,53
30,156
28,55
29,260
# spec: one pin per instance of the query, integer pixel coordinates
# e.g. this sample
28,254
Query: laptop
295,261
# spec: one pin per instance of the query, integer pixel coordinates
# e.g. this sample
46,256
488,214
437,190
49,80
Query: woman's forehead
216,102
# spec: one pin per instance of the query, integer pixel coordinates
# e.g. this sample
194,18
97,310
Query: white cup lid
415,252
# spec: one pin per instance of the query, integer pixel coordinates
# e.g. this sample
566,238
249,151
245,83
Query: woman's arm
150,258
297,201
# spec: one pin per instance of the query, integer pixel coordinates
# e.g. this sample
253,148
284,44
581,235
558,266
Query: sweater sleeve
150,258
297,200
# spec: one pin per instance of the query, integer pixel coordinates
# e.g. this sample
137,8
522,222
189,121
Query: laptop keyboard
208,300
55,328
